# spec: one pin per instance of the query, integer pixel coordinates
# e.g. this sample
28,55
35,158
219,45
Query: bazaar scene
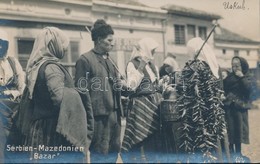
129,81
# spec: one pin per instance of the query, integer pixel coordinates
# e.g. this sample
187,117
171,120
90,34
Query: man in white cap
12,83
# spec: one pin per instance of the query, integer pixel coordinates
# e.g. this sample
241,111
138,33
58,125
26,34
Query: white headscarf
171,62
206,54
3,35
49,45
144,48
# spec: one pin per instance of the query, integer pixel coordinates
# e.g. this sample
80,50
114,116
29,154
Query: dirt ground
253,149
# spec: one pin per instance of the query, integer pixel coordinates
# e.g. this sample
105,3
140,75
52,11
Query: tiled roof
127,2
229,36
190,12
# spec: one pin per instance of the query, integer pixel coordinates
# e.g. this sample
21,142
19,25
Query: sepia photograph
129,81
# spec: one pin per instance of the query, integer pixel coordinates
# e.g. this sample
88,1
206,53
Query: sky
244,22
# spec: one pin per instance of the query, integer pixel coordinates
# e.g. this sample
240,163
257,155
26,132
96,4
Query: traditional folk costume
12,83
142,124
52,113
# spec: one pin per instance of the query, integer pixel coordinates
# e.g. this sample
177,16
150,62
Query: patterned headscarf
50,45
206,54
144,48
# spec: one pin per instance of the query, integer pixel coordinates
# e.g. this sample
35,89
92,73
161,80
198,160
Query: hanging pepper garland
200,105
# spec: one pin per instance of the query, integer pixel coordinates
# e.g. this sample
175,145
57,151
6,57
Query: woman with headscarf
206,54
199,103
142,124
96,73
169,67
52,113
169,73
237,87
12,83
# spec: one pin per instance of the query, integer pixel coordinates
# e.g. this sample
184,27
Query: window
248,53
223,51
25,46
191,31
203,32
74,50
179,34
236,53
70,59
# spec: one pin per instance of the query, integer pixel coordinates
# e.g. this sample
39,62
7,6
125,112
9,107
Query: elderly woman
12,83
52,113
96,74
237,87
142,123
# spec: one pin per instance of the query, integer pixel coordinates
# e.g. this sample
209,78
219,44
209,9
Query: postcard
138,81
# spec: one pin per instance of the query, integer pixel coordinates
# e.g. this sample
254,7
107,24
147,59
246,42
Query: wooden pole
219,150
196,56
143,158
226,145
88,157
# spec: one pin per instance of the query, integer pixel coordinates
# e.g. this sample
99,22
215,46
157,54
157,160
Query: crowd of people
168,109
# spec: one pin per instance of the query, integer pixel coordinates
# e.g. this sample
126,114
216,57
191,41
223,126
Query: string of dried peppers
200,105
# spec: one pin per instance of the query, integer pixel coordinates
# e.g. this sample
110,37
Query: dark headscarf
244,64
100,29
232,78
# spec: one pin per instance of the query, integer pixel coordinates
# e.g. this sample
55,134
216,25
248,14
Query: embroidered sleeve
134,77
21,80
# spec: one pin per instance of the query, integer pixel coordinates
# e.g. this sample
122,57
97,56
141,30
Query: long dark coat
237,89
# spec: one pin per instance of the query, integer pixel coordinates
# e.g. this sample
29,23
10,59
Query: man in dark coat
237,87
96,74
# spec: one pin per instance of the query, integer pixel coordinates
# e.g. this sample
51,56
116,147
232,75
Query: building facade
228,44
131,22
171,26
183,24
23,20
